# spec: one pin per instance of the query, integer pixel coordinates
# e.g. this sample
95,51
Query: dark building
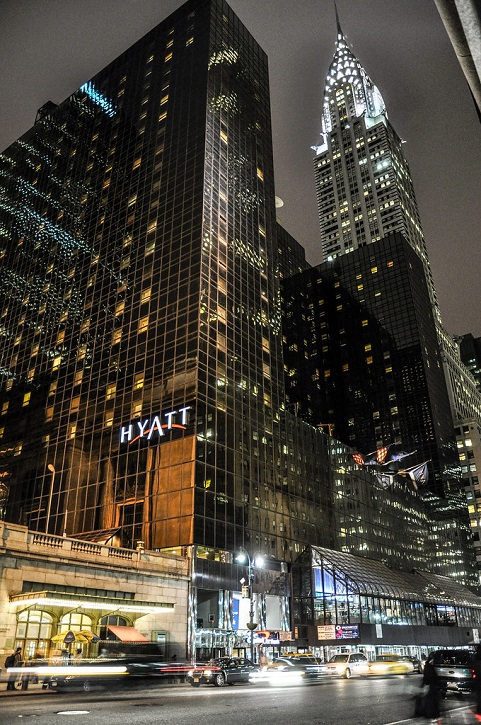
470,351
292,255
361,355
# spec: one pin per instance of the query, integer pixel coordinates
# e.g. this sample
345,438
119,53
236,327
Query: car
224,670
454,668
112,672
391,664
348,665
295,669
418,664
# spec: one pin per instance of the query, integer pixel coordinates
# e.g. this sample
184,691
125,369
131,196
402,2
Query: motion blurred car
348,665
129,671
295,669
224,670
390,664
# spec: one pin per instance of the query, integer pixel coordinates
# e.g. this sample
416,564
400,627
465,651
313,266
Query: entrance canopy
370,577
127,634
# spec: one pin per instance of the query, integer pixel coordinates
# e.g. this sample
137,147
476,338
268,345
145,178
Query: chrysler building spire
348,91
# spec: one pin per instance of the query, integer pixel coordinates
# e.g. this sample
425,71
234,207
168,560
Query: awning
127,634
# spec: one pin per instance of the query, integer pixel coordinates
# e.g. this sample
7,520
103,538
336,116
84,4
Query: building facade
365,191
142,393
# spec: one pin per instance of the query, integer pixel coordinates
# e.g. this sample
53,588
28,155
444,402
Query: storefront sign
326,631
347,631
156,427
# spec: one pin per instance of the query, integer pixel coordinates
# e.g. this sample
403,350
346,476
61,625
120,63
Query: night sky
48,48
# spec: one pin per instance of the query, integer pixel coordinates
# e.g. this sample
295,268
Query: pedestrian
78,654
477,678
432,699
13,660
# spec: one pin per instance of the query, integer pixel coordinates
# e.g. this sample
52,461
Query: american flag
381,454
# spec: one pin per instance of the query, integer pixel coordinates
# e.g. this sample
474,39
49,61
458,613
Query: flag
381,454
397,455
359,458
419,474
385,479
371,459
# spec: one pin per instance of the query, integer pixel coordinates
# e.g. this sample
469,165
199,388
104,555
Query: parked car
224,670
348,665
391,664
455,669
295,669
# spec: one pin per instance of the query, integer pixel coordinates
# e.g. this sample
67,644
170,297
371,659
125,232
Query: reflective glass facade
138,279
361,354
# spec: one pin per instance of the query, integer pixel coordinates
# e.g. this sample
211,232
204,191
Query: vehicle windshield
303,660
338,658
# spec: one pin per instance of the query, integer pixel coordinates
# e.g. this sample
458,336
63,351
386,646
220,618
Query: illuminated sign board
347,631
155,428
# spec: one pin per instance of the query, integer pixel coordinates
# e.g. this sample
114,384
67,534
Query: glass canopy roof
372,578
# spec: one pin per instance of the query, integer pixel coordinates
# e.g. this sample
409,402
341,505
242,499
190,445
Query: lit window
265,344
72,430
137,163
143,324
26,399
109,419
56,362
145,296
75,404
139,382
119,308
111,390
164,100
60,336
168,57
116,337
260,174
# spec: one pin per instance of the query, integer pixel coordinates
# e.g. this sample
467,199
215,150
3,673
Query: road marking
73,712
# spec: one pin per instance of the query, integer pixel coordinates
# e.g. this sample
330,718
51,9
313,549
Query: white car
348,665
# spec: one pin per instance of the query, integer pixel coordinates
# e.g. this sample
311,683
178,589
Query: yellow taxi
391,664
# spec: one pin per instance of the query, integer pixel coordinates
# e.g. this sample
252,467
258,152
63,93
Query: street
372,701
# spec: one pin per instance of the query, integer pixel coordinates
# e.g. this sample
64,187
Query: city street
332,702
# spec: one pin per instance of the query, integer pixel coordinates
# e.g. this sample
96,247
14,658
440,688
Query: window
143,324
26,399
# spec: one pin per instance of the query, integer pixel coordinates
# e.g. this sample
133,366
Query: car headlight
207,672
190,673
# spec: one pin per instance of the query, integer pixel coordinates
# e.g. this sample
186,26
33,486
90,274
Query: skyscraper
140,321
365,191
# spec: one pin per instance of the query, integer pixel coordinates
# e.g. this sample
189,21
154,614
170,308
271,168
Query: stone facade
49,574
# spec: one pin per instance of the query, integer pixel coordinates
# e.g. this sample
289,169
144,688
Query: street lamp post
242,558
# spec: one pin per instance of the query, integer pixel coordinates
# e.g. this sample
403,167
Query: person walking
13,660
432,699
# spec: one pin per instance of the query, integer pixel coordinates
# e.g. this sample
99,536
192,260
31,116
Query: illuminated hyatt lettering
155,427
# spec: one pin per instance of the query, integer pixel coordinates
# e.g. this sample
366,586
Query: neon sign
155,427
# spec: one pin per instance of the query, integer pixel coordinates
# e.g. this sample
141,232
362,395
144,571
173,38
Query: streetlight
242,558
